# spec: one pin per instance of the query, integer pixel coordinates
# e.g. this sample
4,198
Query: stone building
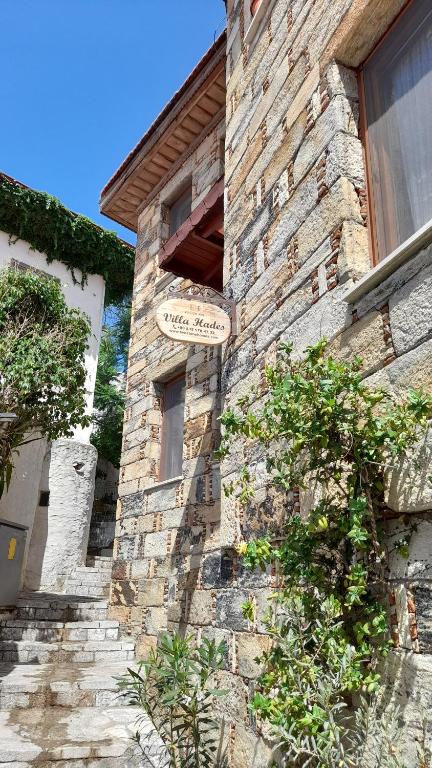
307,124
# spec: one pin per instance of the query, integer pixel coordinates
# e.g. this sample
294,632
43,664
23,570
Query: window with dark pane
180,210
172,399
398,110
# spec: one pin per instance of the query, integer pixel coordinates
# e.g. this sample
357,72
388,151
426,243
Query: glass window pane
173,397
398,90
180,210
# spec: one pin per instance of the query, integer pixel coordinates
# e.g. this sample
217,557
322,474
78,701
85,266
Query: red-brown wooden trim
363,131
161,385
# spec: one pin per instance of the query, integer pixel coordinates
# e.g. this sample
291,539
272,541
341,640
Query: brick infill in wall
412,618
321,176
394,630
388,339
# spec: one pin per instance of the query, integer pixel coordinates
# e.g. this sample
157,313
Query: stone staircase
59,660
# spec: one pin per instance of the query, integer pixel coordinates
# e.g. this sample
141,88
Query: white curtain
398,84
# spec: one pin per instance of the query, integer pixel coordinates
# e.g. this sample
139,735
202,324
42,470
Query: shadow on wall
39,534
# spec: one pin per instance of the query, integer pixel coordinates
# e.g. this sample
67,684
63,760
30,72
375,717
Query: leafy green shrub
42,363
75,240
173,688
322,428
109,397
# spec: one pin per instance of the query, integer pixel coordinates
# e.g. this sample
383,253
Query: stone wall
296,237
167,531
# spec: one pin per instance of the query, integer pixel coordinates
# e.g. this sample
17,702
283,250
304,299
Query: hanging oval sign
193,322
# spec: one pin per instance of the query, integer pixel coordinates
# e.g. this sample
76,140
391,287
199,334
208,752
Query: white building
48,506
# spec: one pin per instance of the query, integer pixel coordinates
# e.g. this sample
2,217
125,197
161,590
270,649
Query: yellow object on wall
12,549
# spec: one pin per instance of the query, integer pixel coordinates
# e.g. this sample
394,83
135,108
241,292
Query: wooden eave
195,251
192,113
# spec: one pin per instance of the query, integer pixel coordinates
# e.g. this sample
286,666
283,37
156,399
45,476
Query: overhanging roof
195,251
197,107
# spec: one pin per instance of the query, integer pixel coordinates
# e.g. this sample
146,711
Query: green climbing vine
321,429
73,239
42,364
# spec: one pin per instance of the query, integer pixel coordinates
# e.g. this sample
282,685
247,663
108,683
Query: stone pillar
61,529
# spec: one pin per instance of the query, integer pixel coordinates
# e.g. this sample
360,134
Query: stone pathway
59,657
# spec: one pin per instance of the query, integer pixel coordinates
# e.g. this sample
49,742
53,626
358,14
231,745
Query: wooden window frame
161,386
253,21
364,137
254,5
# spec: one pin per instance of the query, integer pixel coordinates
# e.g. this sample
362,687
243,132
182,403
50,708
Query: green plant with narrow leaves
42,364
175,689
321,428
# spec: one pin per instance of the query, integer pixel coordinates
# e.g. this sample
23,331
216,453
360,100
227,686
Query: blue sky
83,79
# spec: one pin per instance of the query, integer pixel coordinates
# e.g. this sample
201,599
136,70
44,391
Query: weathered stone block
413,369
133,504
248,749
200,607
234,703
345,158
151,592
341,80
354,257
249,647
160,499
418,566
409,488
155,544
410,310
364,339
409,680
144,643
326,318
229,611
155,620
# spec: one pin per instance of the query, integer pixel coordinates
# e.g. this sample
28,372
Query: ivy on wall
76,241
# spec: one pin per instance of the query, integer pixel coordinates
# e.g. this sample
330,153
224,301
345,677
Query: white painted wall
31,473
61,531
90,299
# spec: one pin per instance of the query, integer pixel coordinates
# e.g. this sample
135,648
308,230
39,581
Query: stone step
56,737
88,579
73,685
27,652
93,574
100,563
55,631
60,607
87,590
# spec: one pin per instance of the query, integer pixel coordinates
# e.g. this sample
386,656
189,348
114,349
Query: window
44,499
180,210
254,6
397,82
173,397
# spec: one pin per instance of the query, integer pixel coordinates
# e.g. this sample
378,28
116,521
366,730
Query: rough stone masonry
296,242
